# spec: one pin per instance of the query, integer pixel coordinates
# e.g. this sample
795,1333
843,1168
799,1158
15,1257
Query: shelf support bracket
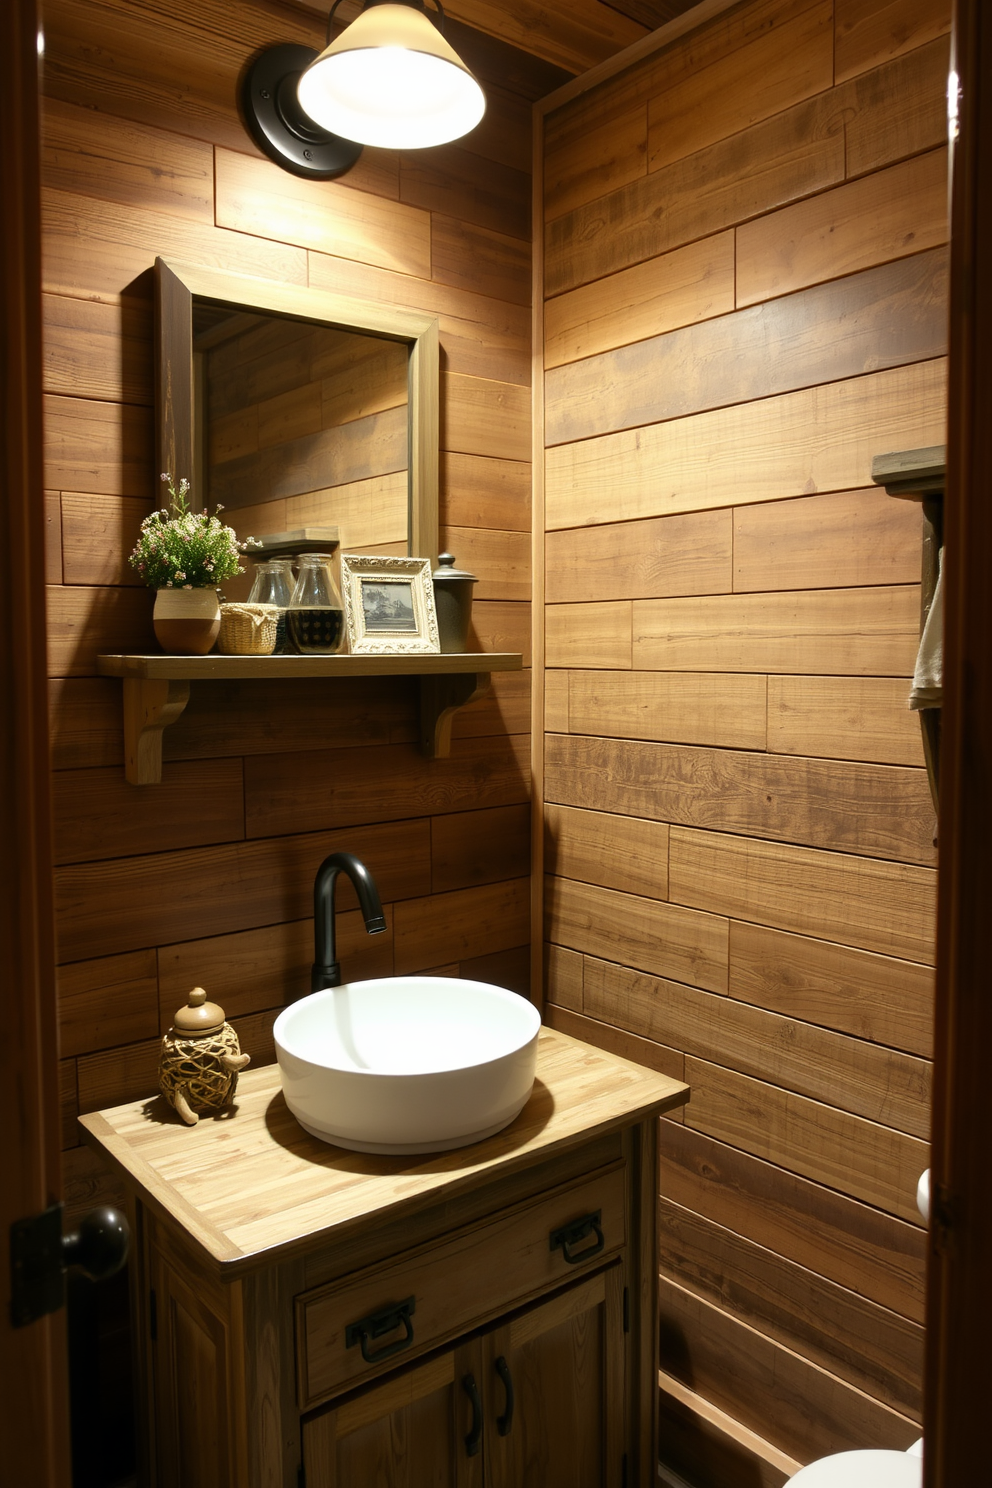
441,695
149,707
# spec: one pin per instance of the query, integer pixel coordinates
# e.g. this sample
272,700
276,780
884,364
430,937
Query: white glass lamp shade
391,79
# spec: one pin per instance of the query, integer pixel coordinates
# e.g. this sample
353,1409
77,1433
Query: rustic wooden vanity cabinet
484,1318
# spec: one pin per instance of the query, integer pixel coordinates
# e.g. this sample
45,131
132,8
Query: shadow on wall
688,1444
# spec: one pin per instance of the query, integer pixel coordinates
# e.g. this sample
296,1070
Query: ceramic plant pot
186,621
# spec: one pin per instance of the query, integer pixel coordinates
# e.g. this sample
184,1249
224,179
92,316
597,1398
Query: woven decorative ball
248,629
200,1060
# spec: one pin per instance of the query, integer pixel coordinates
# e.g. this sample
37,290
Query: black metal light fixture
390,79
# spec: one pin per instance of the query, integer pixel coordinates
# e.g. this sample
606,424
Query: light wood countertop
254,1187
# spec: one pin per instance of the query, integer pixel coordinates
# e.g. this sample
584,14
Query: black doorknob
100,1246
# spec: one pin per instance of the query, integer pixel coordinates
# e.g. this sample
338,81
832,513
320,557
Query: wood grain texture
499,560
563,977
483,417
107,1002
785,64
875,810
84,622
99,533
104,448
726,709
850,1243
879,1084
258,198
690,554
99,349
300,792
821,439
644,933
860,1342
165,898
898,109
701,1441
482,491
857,1157
675,289
461,924
280,1193
588,635
852,632
893,315
53,538
847,540
612,851
610,155
802,1408
887,215
869,34
100,816
861,902
617,1041
868,996
449,180
864,718
478,847
480,259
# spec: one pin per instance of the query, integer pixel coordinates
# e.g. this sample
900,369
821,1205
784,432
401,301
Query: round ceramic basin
407,1064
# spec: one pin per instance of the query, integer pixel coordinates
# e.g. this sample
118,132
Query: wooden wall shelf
156,690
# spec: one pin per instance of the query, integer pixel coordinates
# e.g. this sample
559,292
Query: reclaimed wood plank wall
745,279
206,879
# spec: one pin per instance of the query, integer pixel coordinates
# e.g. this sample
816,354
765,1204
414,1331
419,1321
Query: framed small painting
389,605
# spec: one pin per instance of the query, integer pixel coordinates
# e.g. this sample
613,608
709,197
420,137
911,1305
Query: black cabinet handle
569,1236
395,1315
473,1441
504,1423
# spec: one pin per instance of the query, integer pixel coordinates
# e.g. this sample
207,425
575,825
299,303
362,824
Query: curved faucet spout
326,971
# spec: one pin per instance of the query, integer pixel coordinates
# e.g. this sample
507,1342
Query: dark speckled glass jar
315,618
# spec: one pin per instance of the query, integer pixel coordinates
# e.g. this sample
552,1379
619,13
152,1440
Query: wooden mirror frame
176,284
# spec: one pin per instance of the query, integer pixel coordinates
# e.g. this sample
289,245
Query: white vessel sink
407,1064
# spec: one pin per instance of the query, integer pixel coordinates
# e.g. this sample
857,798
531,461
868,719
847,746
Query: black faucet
326,971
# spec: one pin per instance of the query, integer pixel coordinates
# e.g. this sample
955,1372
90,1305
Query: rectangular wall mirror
296,408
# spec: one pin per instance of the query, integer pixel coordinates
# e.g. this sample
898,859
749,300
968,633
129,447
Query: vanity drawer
351,1330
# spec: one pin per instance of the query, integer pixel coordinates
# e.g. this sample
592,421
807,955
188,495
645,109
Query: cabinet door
421,1428
555,1415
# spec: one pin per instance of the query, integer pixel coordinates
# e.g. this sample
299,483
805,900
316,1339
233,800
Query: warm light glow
392,80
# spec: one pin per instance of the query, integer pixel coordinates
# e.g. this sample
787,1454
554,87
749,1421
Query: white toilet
870,1469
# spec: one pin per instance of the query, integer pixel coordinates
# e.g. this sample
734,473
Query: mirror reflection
299,424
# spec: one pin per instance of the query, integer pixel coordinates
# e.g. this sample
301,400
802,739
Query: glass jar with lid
315,618
273,584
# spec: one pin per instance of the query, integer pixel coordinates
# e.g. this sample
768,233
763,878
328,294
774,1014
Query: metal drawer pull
570,1235
395,1315
504,1423
473,1441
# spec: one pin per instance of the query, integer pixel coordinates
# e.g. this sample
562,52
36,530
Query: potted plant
183,556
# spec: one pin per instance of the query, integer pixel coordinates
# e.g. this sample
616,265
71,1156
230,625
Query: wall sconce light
390,79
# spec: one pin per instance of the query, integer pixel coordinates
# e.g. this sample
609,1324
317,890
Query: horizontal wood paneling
850,1243
162,898
892,213
105,448
862,718
857,1157
869,32
448,180
846,540
675,289
258,197
690,554
480,847
821,439
800,1407
863,902
858,632
467,256
499,560
660,938
878,810
97,349
100,816
85,622
301,792
617,1041
480,491
725,709
867,1080
870,1347
612,851
869,996
482,417
883,317
475,921
764,724
110,1001
99,533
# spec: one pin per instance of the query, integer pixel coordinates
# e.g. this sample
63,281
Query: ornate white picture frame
389,605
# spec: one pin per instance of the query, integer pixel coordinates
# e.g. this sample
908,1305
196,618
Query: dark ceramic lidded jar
453,602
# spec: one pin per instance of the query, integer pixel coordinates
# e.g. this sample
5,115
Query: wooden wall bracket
440,698
149,707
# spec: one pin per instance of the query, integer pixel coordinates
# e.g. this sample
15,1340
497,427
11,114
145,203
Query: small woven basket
248,629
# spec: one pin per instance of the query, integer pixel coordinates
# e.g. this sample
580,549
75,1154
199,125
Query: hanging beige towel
928,678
